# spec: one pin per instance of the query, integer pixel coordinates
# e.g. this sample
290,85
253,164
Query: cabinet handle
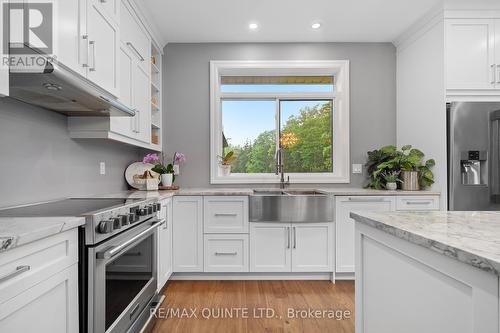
137,122
498,74
19,270
226,253
225,214
104,1
418,202
493,73
294,237
85,37
92,42
141,58
287,231
367,200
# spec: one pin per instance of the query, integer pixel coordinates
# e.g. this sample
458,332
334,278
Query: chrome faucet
280,169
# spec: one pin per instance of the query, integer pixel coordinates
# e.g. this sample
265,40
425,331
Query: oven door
122,278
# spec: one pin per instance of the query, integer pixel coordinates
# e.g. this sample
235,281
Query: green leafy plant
227,159
389,159
391,177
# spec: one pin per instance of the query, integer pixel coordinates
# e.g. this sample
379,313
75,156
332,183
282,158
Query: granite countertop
470,237
17,231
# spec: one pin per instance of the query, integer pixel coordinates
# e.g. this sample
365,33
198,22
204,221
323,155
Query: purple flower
150,158
179,158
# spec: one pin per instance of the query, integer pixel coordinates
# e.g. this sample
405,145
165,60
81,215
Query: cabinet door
312,247
141,90
165,245
344,226
188,234
470,54
71,40
103,49
135,37
49,306
111,8
125,125
270,247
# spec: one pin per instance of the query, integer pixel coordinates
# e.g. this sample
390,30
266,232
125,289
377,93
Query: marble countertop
470,237
248,191
17,231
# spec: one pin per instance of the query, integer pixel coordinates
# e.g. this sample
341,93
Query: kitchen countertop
249,191
17,231
470,237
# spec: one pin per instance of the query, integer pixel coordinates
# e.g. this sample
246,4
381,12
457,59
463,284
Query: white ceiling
284,20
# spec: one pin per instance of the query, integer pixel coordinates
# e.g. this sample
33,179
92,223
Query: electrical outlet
102,168
357,168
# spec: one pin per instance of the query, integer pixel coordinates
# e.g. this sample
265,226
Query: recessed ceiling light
316,25
253,26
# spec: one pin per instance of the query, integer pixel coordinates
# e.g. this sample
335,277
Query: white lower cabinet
39,286
226,253
165,257
188,233
344,225
291,247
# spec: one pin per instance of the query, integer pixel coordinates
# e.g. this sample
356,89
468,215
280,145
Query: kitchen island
427,272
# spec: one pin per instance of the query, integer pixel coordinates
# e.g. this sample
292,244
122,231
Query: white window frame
340,96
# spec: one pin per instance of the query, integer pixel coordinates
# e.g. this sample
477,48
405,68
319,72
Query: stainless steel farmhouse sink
290,206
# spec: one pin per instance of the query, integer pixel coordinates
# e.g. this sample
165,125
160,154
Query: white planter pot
391,186
224,170
167,179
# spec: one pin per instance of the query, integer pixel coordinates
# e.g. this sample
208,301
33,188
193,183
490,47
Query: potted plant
414,172
391,180
165,170
225,162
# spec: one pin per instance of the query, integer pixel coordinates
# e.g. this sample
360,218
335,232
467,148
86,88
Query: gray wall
186,93
39,161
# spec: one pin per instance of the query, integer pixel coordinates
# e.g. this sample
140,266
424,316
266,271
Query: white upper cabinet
125,125
103,48
111,8
142,105
472,54
135,38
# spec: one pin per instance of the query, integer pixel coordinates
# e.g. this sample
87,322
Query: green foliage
312,152
228,158
391,177
162,169
389,159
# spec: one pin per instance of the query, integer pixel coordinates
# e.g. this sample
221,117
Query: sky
245,120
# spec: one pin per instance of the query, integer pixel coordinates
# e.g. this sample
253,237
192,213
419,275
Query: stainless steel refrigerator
473,156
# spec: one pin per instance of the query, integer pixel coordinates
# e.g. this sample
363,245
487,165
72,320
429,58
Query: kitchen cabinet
142,105
103,48
225,214
472,52
344,225
291,247
270,247
134,37
165,244
188,229
39,288
226,252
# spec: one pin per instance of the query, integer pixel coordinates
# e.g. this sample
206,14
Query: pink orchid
150,158
179,158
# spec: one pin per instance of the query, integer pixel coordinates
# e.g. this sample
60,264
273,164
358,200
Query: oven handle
110,253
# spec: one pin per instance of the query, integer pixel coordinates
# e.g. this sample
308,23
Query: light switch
102,168
357,168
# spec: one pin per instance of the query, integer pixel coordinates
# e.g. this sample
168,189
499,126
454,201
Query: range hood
56,87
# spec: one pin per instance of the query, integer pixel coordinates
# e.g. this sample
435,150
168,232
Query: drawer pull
226,253
418,202
225,214
19,270
367,200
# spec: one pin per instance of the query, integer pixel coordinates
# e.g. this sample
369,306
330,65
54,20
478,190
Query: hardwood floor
199,305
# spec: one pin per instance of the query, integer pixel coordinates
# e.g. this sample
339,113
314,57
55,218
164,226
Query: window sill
273,179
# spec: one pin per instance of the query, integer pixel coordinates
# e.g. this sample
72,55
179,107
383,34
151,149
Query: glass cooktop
67,207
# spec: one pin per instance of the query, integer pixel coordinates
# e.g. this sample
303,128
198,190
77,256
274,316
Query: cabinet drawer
225,214
30,264
417,203
226,253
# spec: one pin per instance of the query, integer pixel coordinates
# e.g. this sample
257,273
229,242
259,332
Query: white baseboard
251,276
344,276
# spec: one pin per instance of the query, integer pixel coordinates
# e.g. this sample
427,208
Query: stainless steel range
117,259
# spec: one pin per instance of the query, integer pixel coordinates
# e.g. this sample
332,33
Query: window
298,108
